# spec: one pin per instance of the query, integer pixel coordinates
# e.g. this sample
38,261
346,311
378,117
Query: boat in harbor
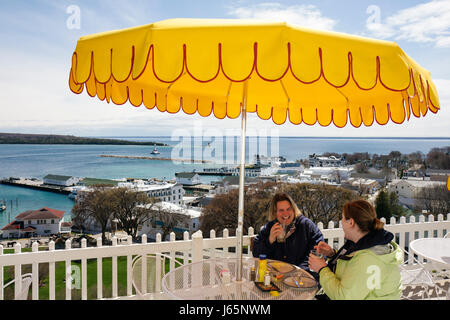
155,151
2,206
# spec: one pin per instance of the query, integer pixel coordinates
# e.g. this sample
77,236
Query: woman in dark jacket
291,244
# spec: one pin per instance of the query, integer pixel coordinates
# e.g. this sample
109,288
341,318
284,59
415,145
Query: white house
31,223
161,190
188,178
409,188
64,181
187,220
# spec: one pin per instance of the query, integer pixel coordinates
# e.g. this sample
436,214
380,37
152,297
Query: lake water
85,161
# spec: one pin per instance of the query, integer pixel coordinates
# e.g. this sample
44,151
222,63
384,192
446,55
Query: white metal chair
150,274
418,282
26,282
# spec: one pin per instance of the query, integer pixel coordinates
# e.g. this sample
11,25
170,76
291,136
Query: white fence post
144,266
197,257
68,273
114,270
129,269
225,252
83,272
251,233
17,272
212,251
1,274
197,246
35,273
51,272
99,272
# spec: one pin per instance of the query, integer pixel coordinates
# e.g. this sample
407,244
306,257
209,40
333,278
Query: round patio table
202,281
436,250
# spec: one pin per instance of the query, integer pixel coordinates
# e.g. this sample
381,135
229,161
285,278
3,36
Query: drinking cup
282,236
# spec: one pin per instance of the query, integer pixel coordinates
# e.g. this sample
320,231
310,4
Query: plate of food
281,267
298,281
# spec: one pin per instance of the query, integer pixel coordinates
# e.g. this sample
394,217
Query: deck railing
74,261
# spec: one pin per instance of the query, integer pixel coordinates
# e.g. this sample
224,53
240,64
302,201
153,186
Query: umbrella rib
285,91
228,92
346,98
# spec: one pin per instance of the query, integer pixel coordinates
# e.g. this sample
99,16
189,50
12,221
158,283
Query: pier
154,158
33,184
211,173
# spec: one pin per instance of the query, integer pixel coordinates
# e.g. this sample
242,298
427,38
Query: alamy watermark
74,19
374,13
223,146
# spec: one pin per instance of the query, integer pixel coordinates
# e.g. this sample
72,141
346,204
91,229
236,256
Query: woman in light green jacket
366,267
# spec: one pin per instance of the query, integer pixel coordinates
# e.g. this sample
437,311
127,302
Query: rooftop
43,213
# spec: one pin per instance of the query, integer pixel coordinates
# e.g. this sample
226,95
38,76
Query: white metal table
437,253
202,281
436,250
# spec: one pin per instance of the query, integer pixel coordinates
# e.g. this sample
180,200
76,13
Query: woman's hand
276,229
315,263
324,248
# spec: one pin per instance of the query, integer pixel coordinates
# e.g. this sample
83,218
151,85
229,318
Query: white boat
155,151
2,206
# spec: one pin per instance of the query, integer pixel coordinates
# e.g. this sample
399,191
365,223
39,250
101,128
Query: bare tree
95,205
131,209
167,218
434,199
320,202
222,211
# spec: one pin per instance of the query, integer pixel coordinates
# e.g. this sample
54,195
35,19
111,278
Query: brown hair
364,215
281,197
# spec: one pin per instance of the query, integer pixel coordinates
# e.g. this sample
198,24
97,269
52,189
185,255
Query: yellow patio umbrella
228,68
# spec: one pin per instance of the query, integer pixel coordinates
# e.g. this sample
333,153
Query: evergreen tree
382,205
387,205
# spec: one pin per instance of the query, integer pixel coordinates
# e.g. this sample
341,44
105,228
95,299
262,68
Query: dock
212,173
35,184
154,158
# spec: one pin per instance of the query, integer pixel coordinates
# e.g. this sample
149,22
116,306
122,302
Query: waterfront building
331,161
263,160
63,181
327,174
188,178
32,223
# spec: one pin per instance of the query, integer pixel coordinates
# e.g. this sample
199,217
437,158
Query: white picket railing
187,250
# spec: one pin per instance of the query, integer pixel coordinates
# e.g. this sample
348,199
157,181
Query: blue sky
39,36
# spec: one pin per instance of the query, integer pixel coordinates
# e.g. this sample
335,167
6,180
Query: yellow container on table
262,267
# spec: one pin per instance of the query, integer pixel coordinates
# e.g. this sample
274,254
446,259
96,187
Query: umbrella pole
239,234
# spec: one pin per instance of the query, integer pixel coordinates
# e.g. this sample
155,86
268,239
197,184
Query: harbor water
36,161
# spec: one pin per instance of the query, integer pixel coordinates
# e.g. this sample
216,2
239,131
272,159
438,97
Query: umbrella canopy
227,68
292,73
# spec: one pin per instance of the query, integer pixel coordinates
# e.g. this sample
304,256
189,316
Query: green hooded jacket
369,274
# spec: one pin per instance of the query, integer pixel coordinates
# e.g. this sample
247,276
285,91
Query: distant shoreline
296,137
20,138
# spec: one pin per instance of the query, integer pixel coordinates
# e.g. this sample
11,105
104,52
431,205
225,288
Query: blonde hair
364,215
282,197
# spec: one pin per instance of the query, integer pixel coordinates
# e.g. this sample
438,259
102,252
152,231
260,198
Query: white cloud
302,15
424,23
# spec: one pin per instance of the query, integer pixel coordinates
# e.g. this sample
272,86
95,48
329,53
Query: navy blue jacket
297,247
